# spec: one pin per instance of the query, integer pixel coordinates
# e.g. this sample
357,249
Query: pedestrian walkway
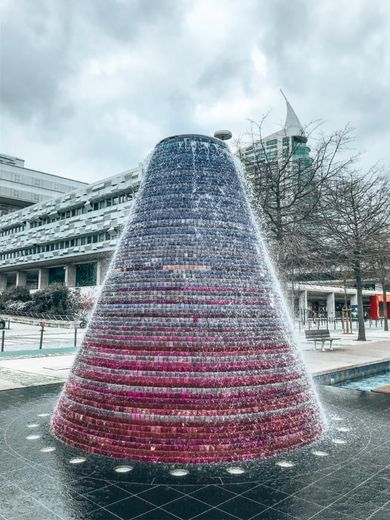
347,353
30,368
30,371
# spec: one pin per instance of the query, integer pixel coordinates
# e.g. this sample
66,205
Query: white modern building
288,145
327,300
21,186
68,239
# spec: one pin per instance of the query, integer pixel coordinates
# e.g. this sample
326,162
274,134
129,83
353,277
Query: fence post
42,325
75,336
2,340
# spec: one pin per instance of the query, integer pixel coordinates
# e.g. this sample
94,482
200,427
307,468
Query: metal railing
39,341
335,323
43,315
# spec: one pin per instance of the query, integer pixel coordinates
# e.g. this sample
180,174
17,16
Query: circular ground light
285,464
339,441
33,437
179,472
319,453
235,470
77,460
47,449
123,469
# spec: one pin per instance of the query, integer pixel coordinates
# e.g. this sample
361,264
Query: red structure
375,305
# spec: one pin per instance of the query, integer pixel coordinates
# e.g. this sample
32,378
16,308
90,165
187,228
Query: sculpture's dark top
194,137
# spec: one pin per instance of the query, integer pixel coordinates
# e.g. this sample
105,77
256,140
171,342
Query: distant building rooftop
21,187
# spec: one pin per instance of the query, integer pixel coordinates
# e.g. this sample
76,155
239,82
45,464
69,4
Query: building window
86,274
56,275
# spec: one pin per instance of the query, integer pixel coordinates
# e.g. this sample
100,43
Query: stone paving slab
10,378
20,372
346,356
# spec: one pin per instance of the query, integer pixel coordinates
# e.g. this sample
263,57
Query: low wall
355,372
48,323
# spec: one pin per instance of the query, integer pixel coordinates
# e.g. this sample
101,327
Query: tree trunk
345,293
359,287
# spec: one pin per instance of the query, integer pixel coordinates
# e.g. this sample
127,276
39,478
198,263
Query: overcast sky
88,87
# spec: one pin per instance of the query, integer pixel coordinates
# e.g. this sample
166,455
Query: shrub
55,299
14,295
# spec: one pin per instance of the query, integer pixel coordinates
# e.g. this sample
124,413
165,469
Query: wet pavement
344,476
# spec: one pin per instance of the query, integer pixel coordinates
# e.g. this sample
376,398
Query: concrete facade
68,239
325,300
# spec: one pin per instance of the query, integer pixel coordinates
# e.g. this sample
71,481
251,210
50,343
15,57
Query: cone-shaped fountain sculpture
189,355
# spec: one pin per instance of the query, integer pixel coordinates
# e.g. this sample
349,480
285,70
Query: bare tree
287,185
354,212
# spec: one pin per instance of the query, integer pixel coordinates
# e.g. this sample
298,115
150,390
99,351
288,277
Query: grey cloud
127,20
285,24
223,74
34,57
44,44
330,59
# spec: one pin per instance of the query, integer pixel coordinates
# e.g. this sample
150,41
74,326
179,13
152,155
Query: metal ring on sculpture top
187,357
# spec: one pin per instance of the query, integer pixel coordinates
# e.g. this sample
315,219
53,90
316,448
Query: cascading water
189,356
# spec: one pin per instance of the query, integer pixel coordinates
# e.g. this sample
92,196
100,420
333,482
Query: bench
321,336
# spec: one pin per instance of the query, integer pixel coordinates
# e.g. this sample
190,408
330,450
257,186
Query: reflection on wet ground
344,476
